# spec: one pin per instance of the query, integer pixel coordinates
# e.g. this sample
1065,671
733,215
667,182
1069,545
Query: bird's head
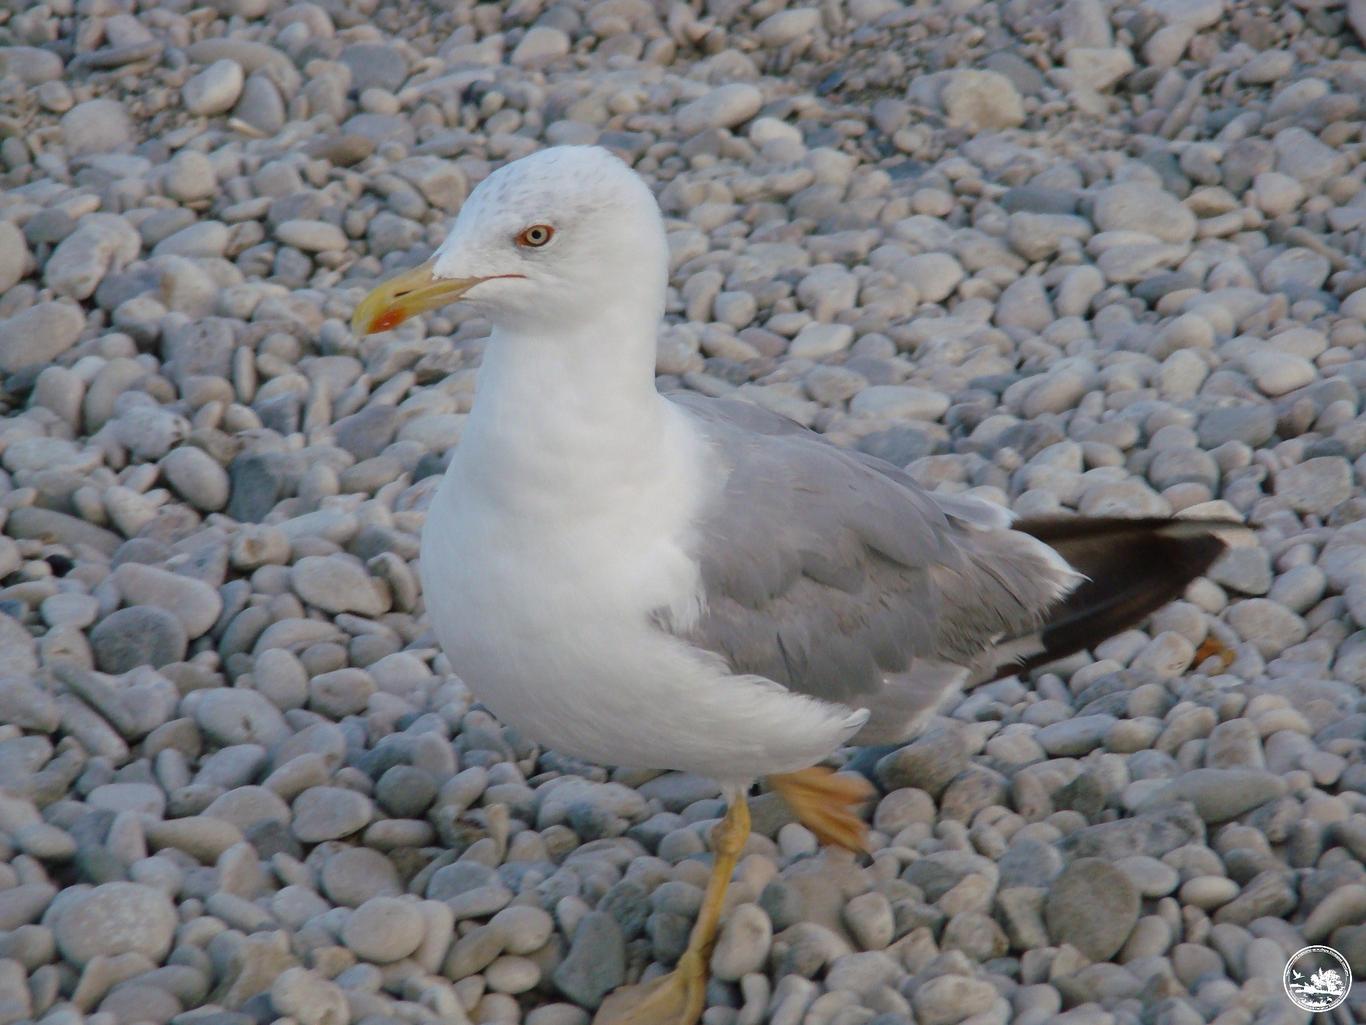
542,240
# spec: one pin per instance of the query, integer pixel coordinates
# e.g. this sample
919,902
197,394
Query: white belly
552,631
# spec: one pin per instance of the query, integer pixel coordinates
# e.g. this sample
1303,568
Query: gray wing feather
831,572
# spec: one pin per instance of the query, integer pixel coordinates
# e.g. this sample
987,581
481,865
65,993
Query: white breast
545,611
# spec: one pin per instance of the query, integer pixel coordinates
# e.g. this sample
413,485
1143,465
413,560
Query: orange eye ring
536,236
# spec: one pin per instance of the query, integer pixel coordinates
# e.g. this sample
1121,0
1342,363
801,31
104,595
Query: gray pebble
38,335
596,962
260,105
540,45
743,943
193,602
239,716
215,89
355,875
929,763
336,585
1222,794
97,126
141,635
384,929
948,999
1131,206
723,107
115,918
1093,906
329,813
978,101
308,998
1315,486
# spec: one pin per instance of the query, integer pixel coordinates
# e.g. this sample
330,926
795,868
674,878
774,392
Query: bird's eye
536,236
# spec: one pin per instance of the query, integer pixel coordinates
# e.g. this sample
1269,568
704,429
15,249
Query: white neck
565,413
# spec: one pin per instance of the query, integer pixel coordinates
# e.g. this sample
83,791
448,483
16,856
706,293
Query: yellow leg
825,803
680,997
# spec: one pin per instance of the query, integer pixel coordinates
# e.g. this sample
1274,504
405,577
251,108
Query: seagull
677,582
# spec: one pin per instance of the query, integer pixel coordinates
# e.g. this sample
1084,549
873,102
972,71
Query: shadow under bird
680,582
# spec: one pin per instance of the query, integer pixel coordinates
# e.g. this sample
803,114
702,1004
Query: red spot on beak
388,319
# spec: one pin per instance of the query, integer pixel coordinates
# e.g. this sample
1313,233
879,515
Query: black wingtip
1132,567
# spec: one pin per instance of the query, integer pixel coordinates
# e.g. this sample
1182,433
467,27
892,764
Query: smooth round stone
816,340
330,813
948,999
1208,892
743,944
1276,373
141,798
978,101
1133,206
899,402
406,791
1296,271
1093,906
1152,878
132,1003
115,918
929,763
281,678
141,635
189,177
311,236
260,104
294,905
557,1014
541,44
1266,625
1222,794
336,584
31,65
96,126
215,89
246,806
596,963
193,602
355,875
384,929
308,998
1267,67
512,975
870,920
723,107
1316,486
1076,736
70,609
778,30
39,334
200,836
934,276
196,477
203,238
523,928
235,715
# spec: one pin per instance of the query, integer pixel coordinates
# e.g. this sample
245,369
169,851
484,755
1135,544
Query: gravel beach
1067,256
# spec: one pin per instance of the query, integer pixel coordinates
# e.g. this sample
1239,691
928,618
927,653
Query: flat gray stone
38,335
116,918
1093,906
140,635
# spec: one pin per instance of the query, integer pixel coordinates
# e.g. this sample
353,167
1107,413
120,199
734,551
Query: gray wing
834,574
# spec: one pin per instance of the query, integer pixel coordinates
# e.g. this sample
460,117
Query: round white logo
1317,979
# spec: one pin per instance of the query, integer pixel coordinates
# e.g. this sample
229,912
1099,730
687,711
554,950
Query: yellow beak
406,295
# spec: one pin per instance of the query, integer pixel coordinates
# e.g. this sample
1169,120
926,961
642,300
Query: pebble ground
1091,256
